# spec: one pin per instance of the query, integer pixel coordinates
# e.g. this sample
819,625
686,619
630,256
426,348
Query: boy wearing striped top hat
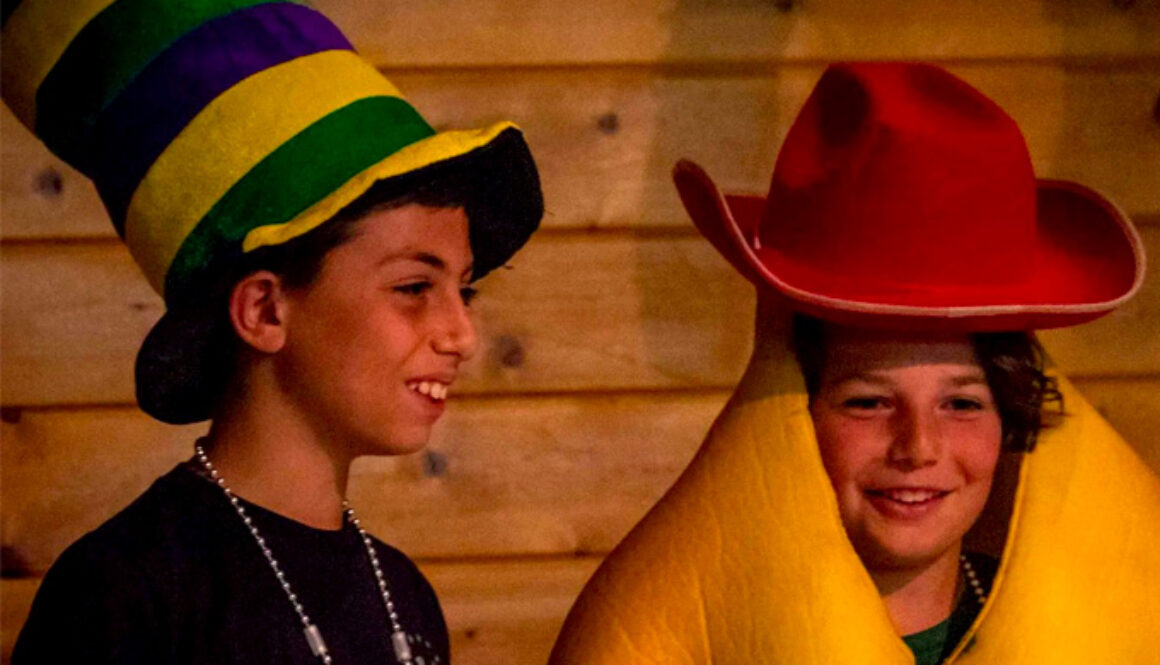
315,241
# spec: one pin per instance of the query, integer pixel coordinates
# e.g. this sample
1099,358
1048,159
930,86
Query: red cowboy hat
904,198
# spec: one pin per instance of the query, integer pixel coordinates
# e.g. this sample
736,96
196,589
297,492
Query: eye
412,288
468,294
865,403
965,404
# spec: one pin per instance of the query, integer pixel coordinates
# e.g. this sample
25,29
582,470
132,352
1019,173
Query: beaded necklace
309,630
972,579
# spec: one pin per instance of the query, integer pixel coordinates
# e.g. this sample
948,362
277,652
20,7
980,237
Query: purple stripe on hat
152,110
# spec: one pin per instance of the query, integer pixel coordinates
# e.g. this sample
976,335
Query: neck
921,597
270,459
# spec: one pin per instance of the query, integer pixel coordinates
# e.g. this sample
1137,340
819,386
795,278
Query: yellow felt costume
745,561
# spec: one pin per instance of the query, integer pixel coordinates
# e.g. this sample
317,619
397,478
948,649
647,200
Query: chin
398,443
900,554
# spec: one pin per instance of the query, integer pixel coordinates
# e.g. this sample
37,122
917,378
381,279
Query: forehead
414,229
862,350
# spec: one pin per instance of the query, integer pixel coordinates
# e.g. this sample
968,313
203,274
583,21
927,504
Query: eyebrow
422,257
974,378
860,376
970,379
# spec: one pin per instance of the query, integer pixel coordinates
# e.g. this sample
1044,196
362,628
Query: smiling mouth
433,390
909,496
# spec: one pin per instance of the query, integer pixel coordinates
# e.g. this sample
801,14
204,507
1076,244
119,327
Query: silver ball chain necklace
313,635
973,579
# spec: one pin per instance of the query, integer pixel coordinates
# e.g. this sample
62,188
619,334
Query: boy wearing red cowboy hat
316,242
902,254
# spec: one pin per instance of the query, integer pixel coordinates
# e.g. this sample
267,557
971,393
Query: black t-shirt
176,577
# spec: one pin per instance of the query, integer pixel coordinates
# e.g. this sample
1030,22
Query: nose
917,440
455,333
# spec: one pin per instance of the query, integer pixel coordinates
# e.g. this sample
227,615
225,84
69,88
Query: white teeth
432,389
910,496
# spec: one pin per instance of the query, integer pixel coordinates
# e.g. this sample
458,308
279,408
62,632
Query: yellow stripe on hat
437,148
228,138
35,36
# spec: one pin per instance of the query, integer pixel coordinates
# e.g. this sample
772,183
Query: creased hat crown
903,197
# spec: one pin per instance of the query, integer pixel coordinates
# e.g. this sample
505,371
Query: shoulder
133,557
101,596
393,556
403,573
169,516
419,608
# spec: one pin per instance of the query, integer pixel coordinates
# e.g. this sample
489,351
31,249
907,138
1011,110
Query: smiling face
910,437
375,340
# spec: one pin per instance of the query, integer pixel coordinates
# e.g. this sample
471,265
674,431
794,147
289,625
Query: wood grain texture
500,613
15,600
503,476
499,32
576,313
610,347
606,140
507,613
1133,408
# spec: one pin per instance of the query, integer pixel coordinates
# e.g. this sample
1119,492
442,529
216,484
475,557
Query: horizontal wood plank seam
604,232
591,558
759,67
651,232
595,394
474,398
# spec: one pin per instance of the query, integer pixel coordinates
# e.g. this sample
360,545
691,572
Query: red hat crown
902,195
914,150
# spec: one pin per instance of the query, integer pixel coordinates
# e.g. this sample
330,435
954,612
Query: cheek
847,446
356,341
379,343
979,446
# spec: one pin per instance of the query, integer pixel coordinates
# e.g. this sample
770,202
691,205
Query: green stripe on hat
301,172
107,54
288,125
228,138
501,138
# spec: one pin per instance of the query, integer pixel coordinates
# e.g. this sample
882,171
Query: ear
258,311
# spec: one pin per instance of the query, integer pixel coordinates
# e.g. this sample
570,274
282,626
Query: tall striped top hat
215,127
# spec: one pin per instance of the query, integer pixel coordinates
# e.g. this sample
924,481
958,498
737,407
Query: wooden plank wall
611,345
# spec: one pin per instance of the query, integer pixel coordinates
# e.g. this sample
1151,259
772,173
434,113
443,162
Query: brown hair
1013,362
299,260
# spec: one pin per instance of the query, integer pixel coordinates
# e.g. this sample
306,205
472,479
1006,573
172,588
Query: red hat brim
1089,259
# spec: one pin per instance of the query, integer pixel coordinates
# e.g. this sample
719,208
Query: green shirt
928,645
933,645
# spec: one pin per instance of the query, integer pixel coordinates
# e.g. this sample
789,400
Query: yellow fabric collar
745,559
